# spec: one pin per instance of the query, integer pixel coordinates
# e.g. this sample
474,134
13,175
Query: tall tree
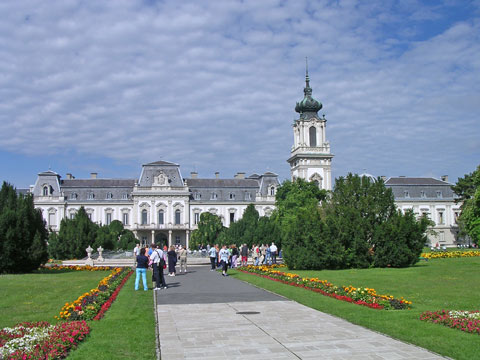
23,233
468,188
209,228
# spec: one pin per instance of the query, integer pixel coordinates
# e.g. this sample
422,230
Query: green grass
41,295
127,330
433,285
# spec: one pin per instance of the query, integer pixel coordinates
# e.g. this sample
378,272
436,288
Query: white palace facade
164,207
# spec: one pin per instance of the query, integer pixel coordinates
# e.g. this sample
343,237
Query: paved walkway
204,315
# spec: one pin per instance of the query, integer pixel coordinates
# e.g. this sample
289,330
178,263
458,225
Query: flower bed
468,321
450,254
41,340
360,296
78,267
94,303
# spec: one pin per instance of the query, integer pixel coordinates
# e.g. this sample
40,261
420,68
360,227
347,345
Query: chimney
93,175
240,175
193,174
217,175
444,178
69,176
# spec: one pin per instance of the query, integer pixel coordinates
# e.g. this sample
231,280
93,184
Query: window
51,219
197,196
144,217
124,196
406,194
232,196
422,194
109,196
72,215
214,196
161,218
177,217
232,217
196,218
90,196
45,191
125,219
439,194
272,191
455,216
89,215
440,218
248,196
177,239
109,218
313,136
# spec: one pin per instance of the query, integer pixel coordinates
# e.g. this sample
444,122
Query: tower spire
307,79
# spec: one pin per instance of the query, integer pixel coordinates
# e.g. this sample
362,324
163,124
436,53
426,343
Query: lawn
433,285
127,329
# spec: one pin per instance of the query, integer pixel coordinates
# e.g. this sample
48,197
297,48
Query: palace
164,207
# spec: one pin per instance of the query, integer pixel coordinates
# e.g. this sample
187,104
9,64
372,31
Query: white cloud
213,85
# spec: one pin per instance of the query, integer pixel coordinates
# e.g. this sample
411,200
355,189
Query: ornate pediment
161,180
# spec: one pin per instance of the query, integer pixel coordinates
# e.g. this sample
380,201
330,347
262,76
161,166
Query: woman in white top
224,255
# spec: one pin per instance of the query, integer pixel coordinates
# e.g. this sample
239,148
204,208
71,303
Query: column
187,239
169,238
153,236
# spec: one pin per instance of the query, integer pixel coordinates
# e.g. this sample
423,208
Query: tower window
45,191
161,219
272,191
177,217
313,136
144,217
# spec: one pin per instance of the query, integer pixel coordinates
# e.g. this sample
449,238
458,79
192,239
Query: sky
106,86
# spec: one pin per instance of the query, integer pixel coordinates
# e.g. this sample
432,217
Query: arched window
272,190
109,195
313,136
144,217
177,217
45,190
161,218
73,196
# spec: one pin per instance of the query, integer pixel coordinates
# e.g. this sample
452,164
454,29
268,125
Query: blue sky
88,86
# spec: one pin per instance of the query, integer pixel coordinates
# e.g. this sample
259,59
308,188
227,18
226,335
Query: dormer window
73,196
232,196
45,190
214,196
109,196
197,196
422,194
406,194
90,196
439,194
272,191
125,196
248,196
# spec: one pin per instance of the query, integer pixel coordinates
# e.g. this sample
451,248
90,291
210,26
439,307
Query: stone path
204,315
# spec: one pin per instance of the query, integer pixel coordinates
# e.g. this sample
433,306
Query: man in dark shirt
142,265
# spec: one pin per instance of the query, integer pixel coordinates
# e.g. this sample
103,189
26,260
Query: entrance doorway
161,240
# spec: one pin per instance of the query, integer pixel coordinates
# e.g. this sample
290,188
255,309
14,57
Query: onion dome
308,104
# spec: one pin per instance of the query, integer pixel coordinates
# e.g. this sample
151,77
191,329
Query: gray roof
22,191
414,181
222,183
161,162
97,183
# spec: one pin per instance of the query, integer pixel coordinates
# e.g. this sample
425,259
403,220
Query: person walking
141,270
224,255
273,252
244,255
213,257
255,254
182,254
172,261
234,255
157,264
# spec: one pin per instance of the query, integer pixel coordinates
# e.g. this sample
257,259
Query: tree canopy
468,189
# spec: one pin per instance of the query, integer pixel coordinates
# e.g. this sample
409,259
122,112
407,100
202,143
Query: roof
222,183
48,172
98,183
415,181
161,162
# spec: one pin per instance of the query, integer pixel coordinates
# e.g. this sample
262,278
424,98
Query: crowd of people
158,258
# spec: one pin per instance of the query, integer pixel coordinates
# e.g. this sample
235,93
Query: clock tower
310,156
